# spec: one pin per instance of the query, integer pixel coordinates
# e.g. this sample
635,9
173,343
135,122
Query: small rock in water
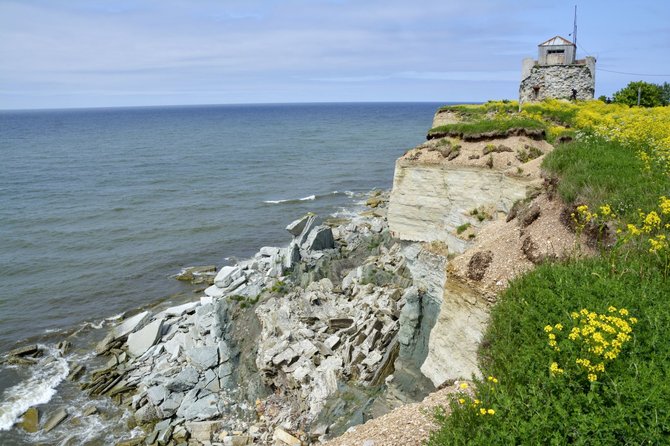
31,420
55,419
28,350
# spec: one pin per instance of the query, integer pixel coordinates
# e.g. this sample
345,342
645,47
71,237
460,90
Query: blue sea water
99,208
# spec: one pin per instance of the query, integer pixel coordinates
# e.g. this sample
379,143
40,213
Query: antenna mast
574,29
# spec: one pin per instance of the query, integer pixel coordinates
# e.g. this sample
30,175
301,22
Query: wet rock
91,410
193,273
28,350
30,422
140,341
120,331
76,372
55,419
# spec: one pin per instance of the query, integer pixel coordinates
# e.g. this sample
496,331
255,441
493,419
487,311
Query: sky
105,53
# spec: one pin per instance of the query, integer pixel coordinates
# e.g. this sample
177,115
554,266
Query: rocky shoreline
289,347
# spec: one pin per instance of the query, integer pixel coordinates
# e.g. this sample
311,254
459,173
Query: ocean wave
39,388
311,197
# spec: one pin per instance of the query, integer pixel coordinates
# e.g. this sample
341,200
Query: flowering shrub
594,340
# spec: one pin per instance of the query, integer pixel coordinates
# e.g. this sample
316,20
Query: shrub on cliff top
533,402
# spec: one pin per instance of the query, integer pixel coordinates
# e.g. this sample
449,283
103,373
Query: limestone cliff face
429,201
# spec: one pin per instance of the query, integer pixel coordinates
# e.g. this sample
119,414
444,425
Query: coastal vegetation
576,351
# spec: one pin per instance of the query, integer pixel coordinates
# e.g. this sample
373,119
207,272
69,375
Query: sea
101,208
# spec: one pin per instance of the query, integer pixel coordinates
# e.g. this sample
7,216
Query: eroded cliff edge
486,201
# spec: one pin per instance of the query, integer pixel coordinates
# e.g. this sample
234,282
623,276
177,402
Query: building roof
556,40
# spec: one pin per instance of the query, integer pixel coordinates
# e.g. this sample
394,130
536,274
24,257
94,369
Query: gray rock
140,341
146,414
214,292
184,380
171,404
164,435
224,351
292,255
319,238
131,324
269,251
201,409
156,394
203,357
179,310
123,329
226,275
295,228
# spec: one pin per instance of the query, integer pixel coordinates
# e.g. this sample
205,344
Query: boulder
298,226
140,341
319,238
131,324
123,329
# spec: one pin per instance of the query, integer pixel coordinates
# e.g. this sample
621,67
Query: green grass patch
558,115
628,404
594,171
462,228
489,125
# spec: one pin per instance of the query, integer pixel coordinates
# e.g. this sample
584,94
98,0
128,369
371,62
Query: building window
555,51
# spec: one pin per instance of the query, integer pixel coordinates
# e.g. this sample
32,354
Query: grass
594,171
488,125
462,228
627,405
628,402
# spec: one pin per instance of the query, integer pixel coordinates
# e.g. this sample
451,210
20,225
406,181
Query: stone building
557,73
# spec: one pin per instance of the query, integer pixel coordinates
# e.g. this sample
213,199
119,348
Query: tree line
648,95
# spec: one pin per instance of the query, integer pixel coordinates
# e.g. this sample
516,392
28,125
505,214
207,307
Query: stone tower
557,73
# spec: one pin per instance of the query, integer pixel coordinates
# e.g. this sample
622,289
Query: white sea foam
38,388
291,200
